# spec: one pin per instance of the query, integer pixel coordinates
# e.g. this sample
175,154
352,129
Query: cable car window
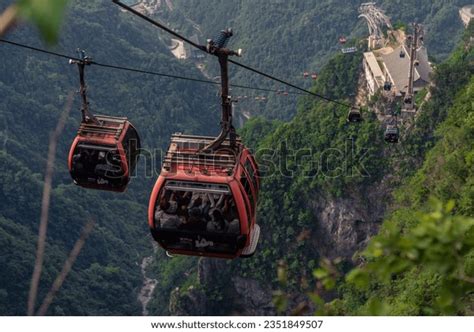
97,164
251,172
246,184
197,216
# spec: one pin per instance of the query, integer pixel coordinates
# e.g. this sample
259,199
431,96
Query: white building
466,13
396,69
373,73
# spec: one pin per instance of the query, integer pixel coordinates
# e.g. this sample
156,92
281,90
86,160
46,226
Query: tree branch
8,19
66,268
53,141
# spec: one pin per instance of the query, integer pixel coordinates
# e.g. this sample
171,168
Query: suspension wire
203,48
186,78
291,85
40,50
141,71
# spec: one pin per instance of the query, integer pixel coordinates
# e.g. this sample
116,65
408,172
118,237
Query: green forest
350,225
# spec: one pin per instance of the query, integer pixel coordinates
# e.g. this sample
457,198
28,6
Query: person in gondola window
166,213
218,223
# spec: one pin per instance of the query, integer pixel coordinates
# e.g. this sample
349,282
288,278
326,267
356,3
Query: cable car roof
183,154
111,127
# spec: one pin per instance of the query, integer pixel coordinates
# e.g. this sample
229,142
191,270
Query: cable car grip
81,63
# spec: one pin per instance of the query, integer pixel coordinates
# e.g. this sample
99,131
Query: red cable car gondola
314,76
105,151
342,40
104,155
305,74
204,201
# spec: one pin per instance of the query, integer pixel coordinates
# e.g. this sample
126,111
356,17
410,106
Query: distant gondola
104,155
391,134
105,151
354,115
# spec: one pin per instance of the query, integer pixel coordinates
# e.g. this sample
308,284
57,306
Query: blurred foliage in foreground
47,15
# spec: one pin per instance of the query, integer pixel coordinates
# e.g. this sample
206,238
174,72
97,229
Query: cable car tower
376,19
413,42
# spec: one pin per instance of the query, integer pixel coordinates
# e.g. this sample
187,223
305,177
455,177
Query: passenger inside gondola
101,165
197,212
167,214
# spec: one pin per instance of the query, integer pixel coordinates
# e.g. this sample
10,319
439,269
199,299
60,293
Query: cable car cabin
354,115
204,204
391,134
342,40
104,155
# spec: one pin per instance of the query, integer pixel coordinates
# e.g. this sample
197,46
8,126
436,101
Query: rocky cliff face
344,225
243,296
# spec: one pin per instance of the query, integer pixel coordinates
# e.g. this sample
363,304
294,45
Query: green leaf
377,307
450,206
329,283
358,277
47,15
280,300
320,273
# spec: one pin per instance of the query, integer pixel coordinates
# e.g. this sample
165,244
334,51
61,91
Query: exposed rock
344,225
189,302
149,284
252,299
245,296
210,271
